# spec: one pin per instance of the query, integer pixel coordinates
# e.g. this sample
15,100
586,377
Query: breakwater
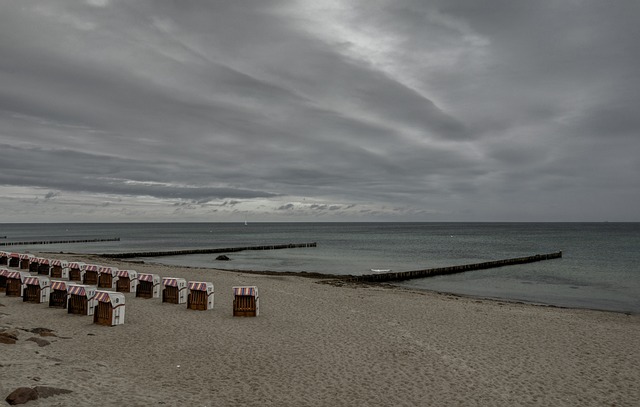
115,239
206,251
439,271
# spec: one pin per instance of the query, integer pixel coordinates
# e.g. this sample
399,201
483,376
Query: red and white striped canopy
251,291
103,296
91,267
58,262
77,290
77,265
197,286
170,282
14,274
31,281
107,270
59,285
145,277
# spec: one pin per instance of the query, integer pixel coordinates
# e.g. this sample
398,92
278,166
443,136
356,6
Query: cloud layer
320,111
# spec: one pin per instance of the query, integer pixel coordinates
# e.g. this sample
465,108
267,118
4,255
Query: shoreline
342,279
320,344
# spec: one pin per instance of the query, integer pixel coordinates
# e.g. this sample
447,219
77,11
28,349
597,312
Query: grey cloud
422,110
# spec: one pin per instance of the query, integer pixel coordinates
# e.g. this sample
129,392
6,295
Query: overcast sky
274,110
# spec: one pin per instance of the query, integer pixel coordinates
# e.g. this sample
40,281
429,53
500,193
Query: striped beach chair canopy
78,265
15,274
92,267
41,260
31,281
108,270
199,286
115,299
170,282
77,290
251,291
126,273
146,277
24,256
15,255
58,262
59,285
4,272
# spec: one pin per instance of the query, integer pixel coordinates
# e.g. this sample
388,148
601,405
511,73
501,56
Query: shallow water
599,269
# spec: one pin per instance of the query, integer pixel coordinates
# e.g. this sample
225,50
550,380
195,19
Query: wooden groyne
115,239
439,271
206,251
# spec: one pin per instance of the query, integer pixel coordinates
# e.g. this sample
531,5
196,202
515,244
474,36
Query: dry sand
321,345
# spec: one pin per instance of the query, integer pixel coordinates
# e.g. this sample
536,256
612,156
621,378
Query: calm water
600,267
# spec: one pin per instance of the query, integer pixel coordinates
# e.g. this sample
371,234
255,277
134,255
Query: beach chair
76,271
25,260
148,286
4,258
127,281
91,273
43,266
200,295
37,289
3,279
246,302
174,290
33,265
15,283
14,260
107,277
81,299
59,293
109,308
60,269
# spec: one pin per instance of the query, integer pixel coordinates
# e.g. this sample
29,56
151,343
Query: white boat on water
381,270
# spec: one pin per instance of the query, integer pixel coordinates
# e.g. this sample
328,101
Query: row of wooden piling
407,275
206,251
113,239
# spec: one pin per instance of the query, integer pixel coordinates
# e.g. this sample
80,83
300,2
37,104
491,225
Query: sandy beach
317,344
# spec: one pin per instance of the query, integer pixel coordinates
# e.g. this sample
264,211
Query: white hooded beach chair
148,286
91,273
127,281
76,271
14,260
15,283
3,279
246,302
200,295
59,294
174,290
36,289
107,277
4,258
81,300
25,260
59,269
109,308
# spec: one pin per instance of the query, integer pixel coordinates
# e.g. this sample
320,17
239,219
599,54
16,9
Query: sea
599,269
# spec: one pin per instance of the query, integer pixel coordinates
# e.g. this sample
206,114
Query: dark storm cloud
412,110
